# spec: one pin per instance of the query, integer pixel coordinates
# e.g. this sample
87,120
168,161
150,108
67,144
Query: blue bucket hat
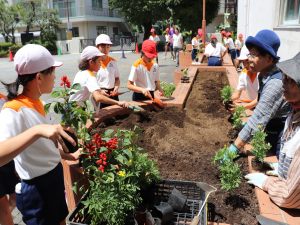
266,40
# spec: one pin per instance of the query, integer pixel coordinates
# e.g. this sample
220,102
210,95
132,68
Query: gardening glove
231,150
274,171
257,179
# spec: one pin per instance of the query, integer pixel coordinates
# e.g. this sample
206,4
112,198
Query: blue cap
266,40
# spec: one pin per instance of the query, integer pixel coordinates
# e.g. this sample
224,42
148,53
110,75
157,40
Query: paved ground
70,68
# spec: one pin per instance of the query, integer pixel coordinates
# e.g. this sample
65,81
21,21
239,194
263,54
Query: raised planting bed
183,142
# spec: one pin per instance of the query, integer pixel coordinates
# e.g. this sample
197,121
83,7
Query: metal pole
203,23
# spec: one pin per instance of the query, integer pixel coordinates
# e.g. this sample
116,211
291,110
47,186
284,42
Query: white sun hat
103,39
90,52
33,58
244,53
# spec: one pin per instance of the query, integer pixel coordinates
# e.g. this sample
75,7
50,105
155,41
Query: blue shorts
42,199
214,61
8,179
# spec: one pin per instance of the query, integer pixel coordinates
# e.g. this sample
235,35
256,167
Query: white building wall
255,15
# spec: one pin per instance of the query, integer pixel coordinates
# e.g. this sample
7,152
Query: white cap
33,58
90,52
103,39
244,53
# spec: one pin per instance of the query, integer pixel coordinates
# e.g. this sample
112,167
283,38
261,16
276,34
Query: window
101,30
97,4
290,15
75,32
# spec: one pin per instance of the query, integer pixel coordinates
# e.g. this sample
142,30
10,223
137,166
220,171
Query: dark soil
183,142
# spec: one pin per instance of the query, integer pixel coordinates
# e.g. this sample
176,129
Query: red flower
65,82
112,143
101,168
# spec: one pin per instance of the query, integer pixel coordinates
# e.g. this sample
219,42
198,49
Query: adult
271,110
177,44
108,76
284,190
214,51
154,37
144,75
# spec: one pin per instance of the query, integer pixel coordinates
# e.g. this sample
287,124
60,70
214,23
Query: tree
144,12
187,14
28,12
9,17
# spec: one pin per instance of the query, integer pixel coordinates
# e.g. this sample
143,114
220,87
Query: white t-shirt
167,37
144,75
155,38
41,156
246,84
230,43
195,43
238,44
87,80
177,40
211,51
108,73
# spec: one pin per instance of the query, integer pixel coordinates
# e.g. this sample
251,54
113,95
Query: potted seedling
226,94
260,147
185,78
168,88
230,172
237,122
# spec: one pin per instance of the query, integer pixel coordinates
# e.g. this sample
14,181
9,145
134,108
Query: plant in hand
237,116
168,88
73,114
117,169
260,147
226,94
229,170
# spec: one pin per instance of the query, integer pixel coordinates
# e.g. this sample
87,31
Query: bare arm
251,105
101,98
132,87
117,84
10,148
236,95
158,87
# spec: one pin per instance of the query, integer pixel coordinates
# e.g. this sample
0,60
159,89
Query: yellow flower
121,173
129,162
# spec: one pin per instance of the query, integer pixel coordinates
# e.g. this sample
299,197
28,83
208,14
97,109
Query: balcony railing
81,12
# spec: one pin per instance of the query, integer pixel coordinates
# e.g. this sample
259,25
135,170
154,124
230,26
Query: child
239,43
86,77
40,195
195,45
8,181
108,74
231,48
248,82
144,75
215,52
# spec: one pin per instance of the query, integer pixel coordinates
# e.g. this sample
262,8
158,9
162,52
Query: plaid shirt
271,105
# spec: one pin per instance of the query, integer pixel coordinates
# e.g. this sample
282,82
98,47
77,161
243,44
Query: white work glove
274,171
256,179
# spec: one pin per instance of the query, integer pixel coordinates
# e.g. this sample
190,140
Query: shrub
237,116
3,53
14,48
168,88
4,46
260,147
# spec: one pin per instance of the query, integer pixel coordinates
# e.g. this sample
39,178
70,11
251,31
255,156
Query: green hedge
4,46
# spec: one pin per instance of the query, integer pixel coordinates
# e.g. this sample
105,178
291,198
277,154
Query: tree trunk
147,27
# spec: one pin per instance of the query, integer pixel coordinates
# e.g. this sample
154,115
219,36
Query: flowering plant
73,114
117,170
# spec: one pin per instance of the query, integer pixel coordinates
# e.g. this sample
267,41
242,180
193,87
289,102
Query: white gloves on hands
256,179
274,171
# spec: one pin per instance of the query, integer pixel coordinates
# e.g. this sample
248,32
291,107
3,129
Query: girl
215,52
86,77
195,45
108,74
154,37
144,75
40,195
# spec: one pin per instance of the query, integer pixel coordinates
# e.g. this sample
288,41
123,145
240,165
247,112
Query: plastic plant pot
164,211
177,200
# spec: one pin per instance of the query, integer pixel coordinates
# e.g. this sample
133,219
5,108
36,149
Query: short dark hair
84,64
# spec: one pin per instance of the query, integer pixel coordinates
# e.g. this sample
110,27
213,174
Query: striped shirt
285,192
271,105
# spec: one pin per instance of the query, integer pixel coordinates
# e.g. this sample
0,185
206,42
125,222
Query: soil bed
183,142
